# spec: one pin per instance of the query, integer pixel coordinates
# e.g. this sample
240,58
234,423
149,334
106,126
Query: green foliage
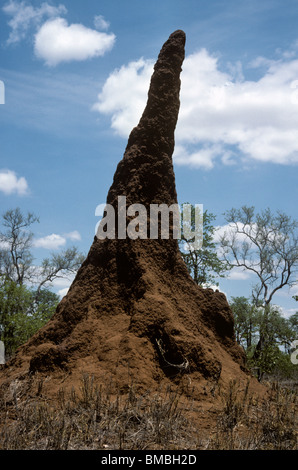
284,368
22,312
266,245
26,303
246,321
203,264
293,321
277,333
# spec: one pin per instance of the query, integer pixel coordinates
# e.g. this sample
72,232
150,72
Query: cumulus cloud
223,116
56,42
124,95
228,231
62,284
237,274
287,312
24,16
200,157
63,292
55,241
52,241
10,183
75,235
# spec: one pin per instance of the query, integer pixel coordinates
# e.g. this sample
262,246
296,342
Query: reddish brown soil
133,312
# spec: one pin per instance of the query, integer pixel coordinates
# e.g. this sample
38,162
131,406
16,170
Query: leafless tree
266,245
16,259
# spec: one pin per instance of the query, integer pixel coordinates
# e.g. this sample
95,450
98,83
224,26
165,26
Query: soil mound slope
133,312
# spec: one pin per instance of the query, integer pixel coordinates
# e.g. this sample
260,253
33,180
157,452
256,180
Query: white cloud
237,274
229,232
52,241
4,245
215,288
287,312
63,292
294,290
201,158
124,95
24,16
10,183
222,115
62,284
222,230
75,235
257,119
100,23
55,241
57,42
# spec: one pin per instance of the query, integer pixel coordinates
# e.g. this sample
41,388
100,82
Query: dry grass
95,417
247,423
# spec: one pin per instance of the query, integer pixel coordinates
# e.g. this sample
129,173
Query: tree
266,245
15,243
246,321
25,300
22,313
16,259
294,324
279,334
203,264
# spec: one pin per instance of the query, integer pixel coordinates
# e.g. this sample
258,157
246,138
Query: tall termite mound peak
133,311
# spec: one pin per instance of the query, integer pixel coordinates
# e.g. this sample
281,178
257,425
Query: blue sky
76,75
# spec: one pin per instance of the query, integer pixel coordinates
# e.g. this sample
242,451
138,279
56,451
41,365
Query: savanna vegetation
99,417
